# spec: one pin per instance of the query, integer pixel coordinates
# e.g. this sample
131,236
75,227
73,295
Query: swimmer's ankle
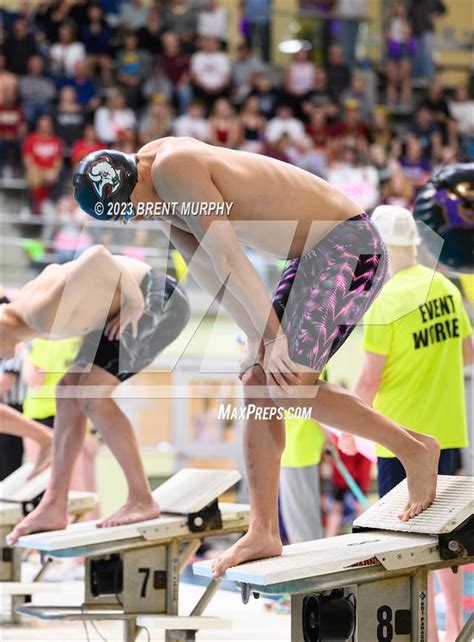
264,528
55,499
139,497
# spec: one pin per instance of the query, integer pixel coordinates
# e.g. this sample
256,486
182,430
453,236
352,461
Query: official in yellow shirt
47,363
417,339
415,334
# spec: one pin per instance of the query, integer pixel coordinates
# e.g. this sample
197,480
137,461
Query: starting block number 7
146,577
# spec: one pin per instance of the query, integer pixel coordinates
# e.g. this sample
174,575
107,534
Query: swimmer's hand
347,444
252,354
279,368
129,313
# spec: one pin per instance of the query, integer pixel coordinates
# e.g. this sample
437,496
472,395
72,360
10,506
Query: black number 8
384,628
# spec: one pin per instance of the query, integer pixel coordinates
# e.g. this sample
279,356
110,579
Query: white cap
396,225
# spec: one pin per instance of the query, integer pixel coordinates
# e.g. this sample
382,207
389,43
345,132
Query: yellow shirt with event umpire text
419,323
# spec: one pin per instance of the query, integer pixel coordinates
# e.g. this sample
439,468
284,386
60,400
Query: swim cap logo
102,174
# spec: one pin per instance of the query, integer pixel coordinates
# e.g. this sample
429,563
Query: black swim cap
446,205
103,183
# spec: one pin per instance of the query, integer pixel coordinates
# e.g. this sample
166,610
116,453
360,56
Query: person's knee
303,393
90,405
254,383
253,377
66,390
92,382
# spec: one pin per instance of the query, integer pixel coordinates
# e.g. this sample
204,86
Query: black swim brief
166,314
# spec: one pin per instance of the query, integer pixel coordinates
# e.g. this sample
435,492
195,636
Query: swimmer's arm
7,380
468,350
370,376
32,374
96,272
203,274
184,179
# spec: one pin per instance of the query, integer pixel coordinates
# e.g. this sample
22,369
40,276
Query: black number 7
146,573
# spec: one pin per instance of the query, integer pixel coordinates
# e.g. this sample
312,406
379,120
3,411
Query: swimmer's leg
119,436
69,435
264,442
337,407
340,408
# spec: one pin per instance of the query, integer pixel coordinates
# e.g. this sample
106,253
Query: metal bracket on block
27,506
458,542
208,518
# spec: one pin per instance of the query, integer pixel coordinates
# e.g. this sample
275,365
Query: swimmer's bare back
74,298
295,209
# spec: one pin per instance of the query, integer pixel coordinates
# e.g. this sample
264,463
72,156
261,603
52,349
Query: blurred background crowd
371,95
76,76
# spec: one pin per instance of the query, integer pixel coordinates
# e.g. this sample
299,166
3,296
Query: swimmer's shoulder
171,146
179,157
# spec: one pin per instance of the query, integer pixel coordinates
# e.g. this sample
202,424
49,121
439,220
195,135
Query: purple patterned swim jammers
323,295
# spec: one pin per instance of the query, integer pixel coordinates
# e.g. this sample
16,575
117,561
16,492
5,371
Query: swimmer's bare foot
422,474
43,460
252,546
132,512
45,517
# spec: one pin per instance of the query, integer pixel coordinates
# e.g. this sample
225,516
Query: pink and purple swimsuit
324,294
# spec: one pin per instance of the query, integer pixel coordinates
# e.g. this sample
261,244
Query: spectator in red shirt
86,145
12,130
320,130
352,124
43,161
359,467
175,65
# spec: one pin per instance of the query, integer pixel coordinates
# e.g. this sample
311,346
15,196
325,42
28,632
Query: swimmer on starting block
127,313
337,266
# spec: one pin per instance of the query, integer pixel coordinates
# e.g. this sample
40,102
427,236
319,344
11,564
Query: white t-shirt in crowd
463,112
277,127
211,69
214,24
109,124
359,183
194,127
64,57
398,29
301,77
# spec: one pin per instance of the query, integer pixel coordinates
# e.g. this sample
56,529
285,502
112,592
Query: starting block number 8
385,627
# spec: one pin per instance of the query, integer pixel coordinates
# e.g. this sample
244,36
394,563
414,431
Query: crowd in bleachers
80,76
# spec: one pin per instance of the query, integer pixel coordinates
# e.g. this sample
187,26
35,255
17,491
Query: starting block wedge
18,497
361,585
133,571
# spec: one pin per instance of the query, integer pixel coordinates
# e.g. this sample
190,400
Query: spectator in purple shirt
416,168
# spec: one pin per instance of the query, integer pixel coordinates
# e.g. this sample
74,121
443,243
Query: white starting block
18,497
133,571
371,585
